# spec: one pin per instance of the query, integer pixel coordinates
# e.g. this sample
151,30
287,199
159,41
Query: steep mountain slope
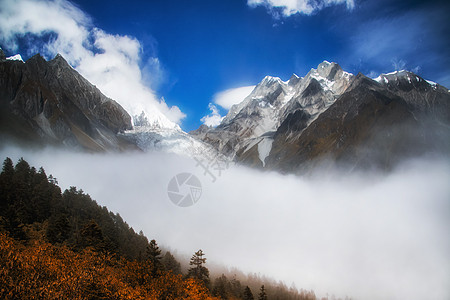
366,126
49,102
421,95
330,115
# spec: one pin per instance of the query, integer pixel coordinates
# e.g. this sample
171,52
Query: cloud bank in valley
368,236
111,62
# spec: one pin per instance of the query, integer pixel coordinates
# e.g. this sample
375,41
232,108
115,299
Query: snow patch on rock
16,57
264,148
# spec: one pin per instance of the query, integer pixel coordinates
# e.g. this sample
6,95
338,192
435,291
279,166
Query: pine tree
154,256
8,167
22,180
220,287
171,264
198,271
262,293
248,294
236,288
6,181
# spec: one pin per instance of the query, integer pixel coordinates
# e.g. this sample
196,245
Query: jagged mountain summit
49,102
332,115
253,123
327,115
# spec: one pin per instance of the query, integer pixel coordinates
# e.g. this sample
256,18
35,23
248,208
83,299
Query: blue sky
188,51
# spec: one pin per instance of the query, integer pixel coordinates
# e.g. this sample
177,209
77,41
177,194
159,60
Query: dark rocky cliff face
49,102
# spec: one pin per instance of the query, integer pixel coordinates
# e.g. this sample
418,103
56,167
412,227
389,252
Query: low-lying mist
363,235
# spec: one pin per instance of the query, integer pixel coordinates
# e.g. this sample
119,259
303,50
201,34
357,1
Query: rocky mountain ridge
327,115
255,120
331,115
49,101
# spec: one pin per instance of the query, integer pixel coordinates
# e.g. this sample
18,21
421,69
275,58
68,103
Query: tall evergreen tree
262,293
154,256
6,181
170,263
248,295
8,167
22,181
236,288
198,271
220,287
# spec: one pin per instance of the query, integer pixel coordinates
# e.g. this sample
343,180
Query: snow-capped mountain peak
252,123
393,76
404,77
270,80
330,76
293,80
284,124
16,57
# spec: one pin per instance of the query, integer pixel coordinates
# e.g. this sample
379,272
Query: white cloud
372,74
228,98
365,235
398,64
111,62
291,7
154,73
214,118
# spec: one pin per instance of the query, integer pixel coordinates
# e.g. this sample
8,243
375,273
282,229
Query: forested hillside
58,245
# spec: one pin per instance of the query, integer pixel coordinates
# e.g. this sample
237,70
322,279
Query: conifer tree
248,294
22,180
171,264
154,256
6,178
198,271
262,293
220,287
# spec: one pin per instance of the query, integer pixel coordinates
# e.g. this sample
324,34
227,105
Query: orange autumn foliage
41,270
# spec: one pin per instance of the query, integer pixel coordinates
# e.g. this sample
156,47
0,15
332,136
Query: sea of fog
363,235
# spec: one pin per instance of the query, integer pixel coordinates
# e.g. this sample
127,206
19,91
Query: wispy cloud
214,118
398,64
228,98
154,73
383,38
410,40
225,99
112,62
292,7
